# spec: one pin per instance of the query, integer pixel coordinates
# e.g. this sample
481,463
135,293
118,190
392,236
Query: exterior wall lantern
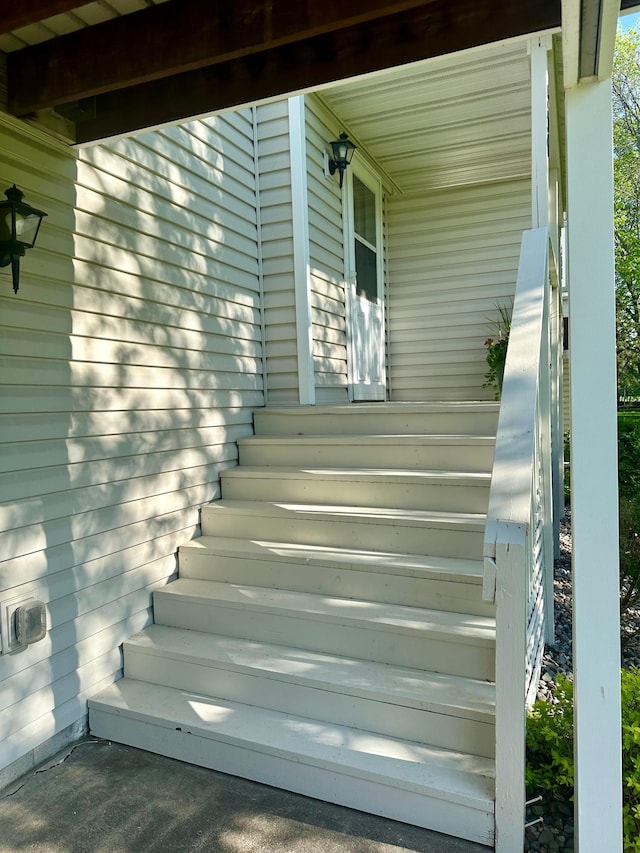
343,150
19,226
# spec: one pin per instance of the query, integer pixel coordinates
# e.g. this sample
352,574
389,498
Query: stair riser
371,534
420,650
298,699
436,594
289,773
353,422
443,497
454,457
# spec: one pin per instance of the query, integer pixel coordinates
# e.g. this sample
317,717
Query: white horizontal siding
130,362
452,258
327,261
274,180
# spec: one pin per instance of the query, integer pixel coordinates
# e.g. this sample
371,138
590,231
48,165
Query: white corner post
594,460
301,257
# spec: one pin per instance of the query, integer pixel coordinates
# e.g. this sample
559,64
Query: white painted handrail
511,478
517,530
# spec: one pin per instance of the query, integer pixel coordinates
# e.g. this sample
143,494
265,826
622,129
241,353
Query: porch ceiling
447,121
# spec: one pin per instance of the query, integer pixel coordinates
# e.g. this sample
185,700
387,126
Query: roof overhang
66,68
183,58
588,38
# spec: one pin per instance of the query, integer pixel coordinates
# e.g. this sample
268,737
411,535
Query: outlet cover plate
8,607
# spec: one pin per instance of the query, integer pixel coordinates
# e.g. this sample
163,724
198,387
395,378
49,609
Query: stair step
440,583
426,786
413,418
434,640
472,453
455,713
439,490
445,534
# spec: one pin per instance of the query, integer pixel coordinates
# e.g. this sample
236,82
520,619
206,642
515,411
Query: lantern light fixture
343,150
19,226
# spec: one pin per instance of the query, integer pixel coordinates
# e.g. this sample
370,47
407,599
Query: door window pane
366,272
364,211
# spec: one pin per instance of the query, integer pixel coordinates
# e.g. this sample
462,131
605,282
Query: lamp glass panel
27,228
5,224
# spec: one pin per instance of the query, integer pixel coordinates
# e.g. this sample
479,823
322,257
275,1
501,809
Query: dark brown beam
173,38
441,27
20,13
3,82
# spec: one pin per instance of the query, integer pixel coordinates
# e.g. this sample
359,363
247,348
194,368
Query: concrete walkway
99,797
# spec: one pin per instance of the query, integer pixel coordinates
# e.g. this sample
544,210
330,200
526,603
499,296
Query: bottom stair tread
455,777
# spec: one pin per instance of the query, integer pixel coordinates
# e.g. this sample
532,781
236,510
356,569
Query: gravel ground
555,833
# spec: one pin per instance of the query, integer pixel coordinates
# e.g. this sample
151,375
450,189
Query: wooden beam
172,38
21,13
3,82
437,28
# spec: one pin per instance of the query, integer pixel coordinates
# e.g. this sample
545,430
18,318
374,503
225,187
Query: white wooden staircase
327,633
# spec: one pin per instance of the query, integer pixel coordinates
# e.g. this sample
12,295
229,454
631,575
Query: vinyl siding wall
327,261
131,362
452,258
274,170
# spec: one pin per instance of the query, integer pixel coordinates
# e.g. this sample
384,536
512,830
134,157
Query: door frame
373,182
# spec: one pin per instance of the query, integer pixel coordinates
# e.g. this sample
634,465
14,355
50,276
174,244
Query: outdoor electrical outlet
31,622
18,630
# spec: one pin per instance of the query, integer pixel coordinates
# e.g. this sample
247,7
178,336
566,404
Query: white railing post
511,546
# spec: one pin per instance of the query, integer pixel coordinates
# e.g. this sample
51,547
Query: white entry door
365,299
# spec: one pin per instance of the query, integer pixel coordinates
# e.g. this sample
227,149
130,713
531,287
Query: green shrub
550,745
549,769
631,758
629,514
629,525
629,454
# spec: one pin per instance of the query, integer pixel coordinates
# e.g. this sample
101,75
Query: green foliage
626,141
629,454
497,351
550,745
629,525
629,521
550,751
631,758
629,518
